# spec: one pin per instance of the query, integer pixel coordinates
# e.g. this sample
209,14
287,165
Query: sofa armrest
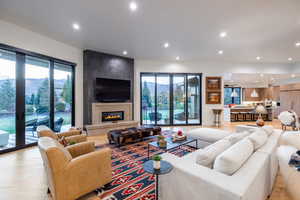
76,138
68,133
92,169
81,148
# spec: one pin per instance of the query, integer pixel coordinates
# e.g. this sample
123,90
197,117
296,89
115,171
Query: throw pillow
234,157
258,138
207,156
63,141
268,130
235,137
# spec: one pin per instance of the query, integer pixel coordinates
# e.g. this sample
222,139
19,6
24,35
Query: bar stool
248,116
234,116
241,116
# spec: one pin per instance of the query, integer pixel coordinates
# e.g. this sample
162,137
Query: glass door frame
171,97
20,93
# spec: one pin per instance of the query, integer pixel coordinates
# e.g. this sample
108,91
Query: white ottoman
291,138
290,176
207,136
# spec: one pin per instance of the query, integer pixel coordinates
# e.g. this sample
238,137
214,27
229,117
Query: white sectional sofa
252,181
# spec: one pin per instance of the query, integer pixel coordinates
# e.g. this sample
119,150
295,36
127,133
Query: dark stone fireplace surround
102,65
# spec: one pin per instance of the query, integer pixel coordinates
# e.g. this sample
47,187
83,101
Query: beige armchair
70,136
75,170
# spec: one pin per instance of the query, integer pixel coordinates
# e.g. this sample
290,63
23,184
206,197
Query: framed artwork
213,83
213,97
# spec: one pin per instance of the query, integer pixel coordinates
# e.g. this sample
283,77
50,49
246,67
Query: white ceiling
267,28
259,80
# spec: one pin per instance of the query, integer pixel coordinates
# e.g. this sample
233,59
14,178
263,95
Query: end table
165,168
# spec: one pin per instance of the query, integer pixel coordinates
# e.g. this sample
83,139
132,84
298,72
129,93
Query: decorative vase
260,122
162,143
156,164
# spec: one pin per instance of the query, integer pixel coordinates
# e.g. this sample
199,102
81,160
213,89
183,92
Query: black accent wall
102,65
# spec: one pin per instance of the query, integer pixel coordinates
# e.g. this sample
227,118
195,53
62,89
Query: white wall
208,69
16,36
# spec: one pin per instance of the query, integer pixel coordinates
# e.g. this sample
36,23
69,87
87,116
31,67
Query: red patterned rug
130,182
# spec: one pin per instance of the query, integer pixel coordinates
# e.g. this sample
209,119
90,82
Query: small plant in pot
156,161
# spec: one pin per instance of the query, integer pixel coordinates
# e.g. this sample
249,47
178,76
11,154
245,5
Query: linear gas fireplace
112,116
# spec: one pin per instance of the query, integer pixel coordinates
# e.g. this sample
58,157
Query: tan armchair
70,136
75,170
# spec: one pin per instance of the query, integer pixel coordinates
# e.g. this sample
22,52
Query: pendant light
234,93
254,94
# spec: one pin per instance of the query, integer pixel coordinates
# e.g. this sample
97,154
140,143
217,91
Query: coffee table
171,145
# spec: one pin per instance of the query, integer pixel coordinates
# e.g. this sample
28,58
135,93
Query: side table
165,168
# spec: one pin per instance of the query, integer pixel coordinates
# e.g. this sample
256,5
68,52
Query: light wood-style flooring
22,175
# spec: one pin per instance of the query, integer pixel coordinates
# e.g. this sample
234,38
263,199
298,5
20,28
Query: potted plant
156,161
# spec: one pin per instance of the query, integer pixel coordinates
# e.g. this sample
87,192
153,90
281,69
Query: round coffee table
165,168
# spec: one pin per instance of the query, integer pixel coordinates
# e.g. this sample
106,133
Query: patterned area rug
130,182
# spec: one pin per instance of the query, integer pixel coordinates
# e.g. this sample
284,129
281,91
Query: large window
232,95
35,90
170,99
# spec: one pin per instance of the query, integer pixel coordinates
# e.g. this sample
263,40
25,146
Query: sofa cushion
234,157
207,156
210,135
268,130
291,138
235,137
258,138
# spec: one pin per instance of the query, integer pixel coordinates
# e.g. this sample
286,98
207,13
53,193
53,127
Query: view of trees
8,96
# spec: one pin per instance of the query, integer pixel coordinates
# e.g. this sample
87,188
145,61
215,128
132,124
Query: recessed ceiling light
166,45
290,59
258,58
76,26
293,75
220,52
133,6
125,52
177,58
223,34
297,44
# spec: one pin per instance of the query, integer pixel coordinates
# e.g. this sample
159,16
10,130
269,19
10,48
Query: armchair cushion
76,138
81,148
69,133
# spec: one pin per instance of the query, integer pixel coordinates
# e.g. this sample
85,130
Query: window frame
171,97
20,92
233,98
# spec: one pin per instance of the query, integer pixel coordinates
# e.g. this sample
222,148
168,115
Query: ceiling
259,80
268,28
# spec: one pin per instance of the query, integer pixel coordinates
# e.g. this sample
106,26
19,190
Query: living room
149,100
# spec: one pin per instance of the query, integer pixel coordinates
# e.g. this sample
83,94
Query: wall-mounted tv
112,90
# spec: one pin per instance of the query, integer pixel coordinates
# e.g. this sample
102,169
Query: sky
7,70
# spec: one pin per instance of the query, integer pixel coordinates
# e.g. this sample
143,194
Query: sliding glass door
170,99
34,90
193,98
163,99
7,99
148,99
63,93
179,99
37,96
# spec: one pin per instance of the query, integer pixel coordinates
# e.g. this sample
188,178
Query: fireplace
112,116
